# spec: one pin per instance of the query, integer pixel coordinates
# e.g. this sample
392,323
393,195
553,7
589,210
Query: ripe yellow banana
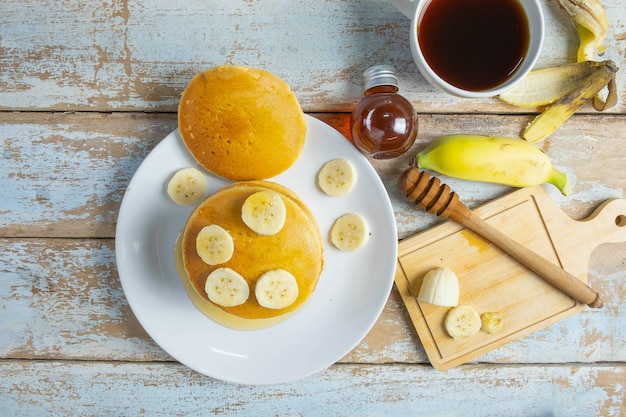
555,115
591,23
500,160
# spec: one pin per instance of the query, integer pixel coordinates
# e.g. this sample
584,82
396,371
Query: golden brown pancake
241,123
297,248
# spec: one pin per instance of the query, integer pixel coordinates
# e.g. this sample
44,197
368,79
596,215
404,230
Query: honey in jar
383,124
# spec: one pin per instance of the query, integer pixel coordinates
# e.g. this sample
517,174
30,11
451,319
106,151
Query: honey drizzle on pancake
214,312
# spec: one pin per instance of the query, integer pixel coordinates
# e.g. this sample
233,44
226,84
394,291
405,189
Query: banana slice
462,321
337,177
226,287
186,186
214,245
349,232
276,289
264,212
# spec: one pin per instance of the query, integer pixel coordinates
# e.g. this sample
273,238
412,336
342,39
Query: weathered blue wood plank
109,389
62,299
65,174
139,55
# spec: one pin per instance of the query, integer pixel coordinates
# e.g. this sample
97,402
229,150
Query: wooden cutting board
491,280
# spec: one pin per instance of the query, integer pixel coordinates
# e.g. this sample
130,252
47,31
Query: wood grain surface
88,89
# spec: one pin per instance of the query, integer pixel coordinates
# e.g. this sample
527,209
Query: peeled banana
440,287
554,116
500,160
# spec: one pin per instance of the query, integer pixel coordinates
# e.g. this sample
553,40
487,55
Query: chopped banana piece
462,322
264,212
349,232
440,287
337,177
226,288
186,186
491,322
276,289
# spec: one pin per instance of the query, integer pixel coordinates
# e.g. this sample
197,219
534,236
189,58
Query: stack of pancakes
246,125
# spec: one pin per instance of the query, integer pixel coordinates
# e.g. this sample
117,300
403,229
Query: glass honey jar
384,124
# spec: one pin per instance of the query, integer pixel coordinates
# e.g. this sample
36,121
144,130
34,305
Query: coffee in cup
474,48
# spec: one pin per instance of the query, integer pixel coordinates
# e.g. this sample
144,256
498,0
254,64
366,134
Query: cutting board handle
607,223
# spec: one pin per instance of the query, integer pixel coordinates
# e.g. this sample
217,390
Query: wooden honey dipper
430,194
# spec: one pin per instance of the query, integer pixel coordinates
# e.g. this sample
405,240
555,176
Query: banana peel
586,45
545,86
589,18
566,88
556,114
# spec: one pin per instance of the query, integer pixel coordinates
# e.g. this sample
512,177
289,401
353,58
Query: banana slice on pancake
214,245
186,186
226,287
264,212
276,289
298,248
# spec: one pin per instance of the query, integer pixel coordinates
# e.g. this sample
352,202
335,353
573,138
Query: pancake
297,248
241,123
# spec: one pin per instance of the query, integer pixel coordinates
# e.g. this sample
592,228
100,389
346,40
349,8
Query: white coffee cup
414,10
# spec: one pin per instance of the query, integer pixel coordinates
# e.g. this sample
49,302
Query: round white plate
349,297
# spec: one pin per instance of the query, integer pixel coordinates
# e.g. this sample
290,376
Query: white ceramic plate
349,297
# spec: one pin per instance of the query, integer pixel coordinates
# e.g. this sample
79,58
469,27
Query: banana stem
559,179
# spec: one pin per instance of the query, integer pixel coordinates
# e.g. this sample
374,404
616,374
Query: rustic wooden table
87,89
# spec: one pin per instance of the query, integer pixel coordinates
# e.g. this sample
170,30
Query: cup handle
407,7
